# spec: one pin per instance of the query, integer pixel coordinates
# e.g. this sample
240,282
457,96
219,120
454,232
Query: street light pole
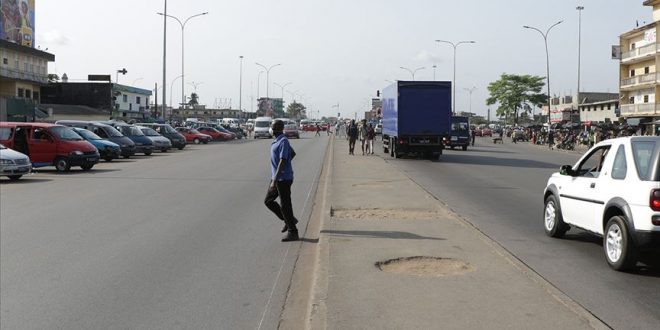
268,74
172,87
453,83
412,72
579,9
547,60
240,86
259,83
164,57
282,88
183,48
470,90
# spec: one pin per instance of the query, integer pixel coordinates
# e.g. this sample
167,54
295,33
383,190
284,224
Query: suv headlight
76,153
6,162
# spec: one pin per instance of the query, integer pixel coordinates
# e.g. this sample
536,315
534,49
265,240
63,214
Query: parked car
143,144
613,191
378,129
178,141
291,130
13,164
49,145
237,131
107,150
160,142
105,132
229,134
193,135
486,132
214,133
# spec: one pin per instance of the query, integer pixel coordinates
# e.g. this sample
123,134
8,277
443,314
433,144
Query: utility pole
579,9
240,87
164,56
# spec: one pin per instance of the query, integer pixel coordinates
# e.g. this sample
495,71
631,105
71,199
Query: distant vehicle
460,133
13,164
291,130
107,150
613,191
229,132
486,132
143,144
231,122
193,135
304,123
215,134
416,117
178,141
160,142
262,127
378,129
105,132
49,145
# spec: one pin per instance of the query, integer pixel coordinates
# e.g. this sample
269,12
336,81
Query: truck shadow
378,234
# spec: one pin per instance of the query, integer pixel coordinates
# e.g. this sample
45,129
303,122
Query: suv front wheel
553,222
620,251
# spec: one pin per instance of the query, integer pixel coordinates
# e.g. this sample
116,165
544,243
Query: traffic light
378,93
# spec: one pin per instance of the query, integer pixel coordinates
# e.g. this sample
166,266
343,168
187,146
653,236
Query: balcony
641,53
631,110
21,75
640,81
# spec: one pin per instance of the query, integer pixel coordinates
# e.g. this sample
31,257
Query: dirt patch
388,214
425,266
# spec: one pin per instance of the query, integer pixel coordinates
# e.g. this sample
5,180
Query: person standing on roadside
371,134
281,155
473,134
352,134
363,134
318,130
551,138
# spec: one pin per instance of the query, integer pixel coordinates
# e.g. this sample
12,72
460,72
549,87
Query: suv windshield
112,132
643,152
149,132
87,135
131,131
168,129
262,124
65,133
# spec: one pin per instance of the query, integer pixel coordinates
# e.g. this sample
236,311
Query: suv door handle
593,185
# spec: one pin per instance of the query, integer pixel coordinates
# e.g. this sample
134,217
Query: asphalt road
499,189
175,240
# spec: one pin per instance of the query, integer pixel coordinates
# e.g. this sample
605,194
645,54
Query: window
602,107
591,166
646,99
21,92
28,94
643,156
620,166
5,61
609,107
632,46
137,99
632,73
631,100
125,98
646,70
35,95
5,133
26,66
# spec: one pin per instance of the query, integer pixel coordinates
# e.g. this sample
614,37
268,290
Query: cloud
53,38
426,56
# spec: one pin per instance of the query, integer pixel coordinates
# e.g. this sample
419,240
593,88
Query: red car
193,135
486,132
215,134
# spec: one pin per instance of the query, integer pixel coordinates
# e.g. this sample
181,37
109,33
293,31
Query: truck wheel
87,167
62,165
620,251
553,222
464,148
14,177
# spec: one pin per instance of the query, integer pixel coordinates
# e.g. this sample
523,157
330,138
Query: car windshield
87,135
65,133
131,131
643,152
262,124
112,132
194,131
168,129
149,132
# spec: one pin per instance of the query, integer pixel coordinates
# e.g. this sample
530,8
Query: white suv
612,191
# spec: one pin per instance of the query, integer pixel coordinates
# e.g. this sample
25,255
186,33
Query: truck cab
460,133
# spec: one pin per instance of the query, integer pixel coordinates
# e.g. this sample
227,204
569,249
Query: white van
262,127
231,122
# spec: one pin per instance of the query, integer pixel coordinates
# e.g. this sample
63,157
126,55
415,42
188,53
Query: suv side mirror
566,170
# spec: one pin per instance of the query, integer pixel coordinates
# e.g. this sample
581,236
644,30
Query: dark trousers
284,211
351,145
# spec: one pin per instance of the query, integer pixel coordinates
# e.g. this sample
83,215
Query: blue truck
416,118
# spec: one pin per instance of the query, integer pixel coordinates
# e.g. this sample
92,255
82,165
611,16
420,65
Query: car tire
14,177
62,165
163,150
126,156
392,147
87,167
464,148
147,153
108,159
620,250
553,222
196,141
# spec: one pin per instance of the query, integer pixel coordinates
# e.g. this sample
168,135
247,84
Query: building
120,101
599,112
568,108
638,72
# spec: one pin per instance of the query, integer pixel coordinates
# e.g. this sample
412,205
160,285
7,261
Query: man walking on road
352,133
281,155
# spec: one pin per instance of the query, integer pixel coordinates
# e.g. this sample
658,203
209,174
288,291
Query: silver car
160,142
13,164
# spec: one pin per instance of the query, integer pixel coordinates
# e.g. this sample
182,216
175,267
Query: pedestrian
473,135
363,134
328,130
318,130
551,138
371,134
352,133
513,136
337,129
281,155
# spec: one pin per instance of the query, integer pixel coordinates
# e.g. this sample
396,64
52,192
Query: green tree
295,109
194,99
514,93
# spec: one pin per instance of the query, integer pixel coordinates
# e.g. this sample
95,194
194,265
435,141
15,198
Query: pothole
425,266
387,214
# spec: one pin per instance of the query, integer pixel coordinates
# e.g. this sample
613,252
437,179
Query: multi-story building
23,71
568,108
599,111
639,83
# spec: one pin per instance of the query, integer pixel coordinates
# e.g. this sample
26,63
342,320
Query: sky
335,53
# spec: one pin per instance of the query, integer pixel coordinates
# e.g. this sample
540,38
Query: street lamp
282,88
258,84
136,80
412,72
172,87
547,61
123,72
453,83
579,9
240,86
434,67
183,25
268,74
470,90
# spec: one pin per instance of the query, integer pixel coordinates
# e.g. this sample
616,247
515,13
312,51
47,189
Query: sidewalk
374,214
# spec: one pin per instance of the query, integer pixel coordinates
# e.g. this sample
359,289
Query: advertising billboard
17,21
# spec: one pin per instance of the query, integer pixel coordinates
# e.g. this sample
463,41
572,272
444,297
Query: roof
25,49
637,30
68,109
20,123
600,102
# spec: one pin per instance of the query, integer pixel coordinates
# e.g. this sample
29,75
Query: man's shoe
291,235
285,228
